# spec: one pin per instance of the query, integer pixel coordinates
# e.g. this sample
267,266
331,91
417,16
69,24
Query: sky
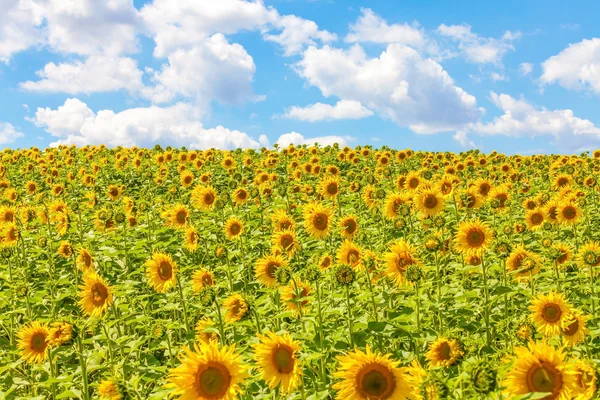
519,77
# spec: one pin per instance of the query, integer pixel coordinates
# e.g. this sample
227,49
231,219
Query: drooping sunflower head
161,270
191,238
444,352
586,379
368,375
295,295
208,372
60,333
34,342
277,359
473,237
95,295
65,250
236,308
574,329
266,267
550,313
201,279
85,261
539,368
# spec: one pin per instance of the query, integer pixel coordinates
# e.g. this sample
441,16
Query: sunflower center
446,188
286,241
207,280
193,237
283,225
353,256
551,312
242,195
87,259
99,294
181,216
187,180
475,237
271,268
12,234
572,328
209,198
375,381
402,262
471,200
350,226
544,378
212,380
235,229
552,212
562,181
321,221
430,201
484,188
445,351
283,359
165,270
569,212
537,219
38,342
413,183
332,188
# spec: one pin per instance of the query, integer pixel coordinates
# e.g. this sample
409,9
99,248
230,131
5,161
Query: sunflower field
303,272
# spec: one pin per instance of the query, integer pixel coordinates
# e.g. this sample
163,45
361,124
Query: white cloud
343,109
8,133
213,69
521,119
525,68
264,140
462,138
182,24
498,77
177,125
297,33
372,28
96,74
478,49
399,85
576,68
20,22
296,138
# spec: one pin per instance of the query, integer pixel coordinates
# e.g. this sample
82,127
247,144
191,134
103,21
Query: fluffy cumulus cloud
96,74
399,84
372,28
343,109
177,125
477,49
576,68
520,119
525,68
213,69
296,138
8,133
20,22
297,33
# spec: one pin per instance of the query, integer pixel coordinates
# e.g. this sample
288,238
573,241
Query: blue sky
517,77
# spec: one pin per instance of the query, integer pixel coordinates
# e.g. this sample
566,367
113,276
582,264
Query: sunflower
413,180
277,359
240,196
186,178
233,228
534,219
483,187
325,262
429,201
393,204
444,352
202,336
550,313
349,254
589,255
203,197
108,389
349,227
586,379
7,214
265,267
9,235
317,220
176,216
522,262
568,213
60,333
191,238
85,261
236,307
95,295
282,221
113,192
369,376
539,368
208,372
295,295
400,256
329,187
498,198
286,241
551,210
574,329
370,196
33,342
201,279
473,237
470,199
161,270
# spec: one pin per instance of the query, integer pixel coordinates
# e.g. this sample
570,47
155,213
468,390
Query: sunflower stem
83,367
321,337
351,334
183,304
52,374
486,308
221,326
593,296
